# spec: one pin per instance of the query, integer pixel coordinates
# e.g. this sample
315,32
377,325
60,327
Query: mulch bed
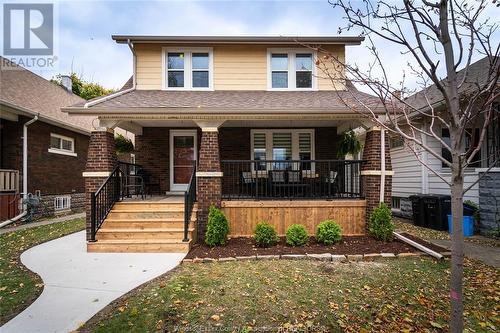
425,243
243,246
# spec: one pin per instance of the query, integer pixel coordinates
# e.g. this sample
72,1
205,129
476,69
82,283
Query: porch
284,175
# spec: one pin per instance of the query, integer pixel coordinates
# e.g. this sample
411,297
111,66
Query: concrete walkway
43,222
79,284
488,254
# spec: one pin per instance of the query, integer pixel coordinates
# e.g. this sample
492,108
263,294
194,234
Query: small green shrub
380,225
296,235
217,227
328,232
265,234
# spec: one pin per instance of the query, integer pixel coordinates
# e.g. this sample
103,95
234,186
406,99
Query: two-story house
249,124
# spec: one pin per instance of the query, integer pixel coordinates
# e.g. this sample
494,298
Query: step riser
139,205
164,235
145,215
145,225
142,248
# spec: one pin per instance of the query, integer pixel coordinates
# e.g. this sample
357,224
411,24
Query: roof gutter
105,98
26,112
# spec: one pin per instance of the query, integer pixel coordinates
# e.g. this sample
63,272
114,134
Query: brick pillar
209,177
371,170
101,160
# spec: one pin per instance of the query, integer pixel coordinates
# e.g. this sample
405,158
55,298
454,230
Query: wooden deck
244,215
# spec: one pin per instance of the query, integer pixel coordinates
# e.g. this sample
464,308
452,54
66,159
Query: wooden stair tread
148,210
140,241
146,220
143,230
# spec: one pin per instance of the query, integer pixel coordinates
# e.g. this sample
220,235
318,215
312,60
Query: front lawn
19,287
398,295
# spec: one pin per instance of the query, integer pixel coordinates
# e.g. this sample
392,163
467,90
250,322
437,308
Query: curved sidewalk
79,284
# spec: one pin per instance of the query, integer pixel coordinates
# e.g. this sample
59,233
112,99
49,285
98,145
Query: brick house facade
54,174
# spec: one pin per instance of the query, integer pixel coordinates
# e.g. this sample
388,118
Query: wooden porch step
145,214
149,205
142,234
147,223
139,246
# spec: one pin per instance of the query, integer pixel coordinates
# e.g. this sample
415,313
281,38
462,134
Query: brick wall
48,172
209,188
371,183
101,158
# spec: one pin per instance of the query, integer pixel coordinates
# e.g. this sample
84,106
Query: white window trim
188,71
63,151
295,142
291,69
62,197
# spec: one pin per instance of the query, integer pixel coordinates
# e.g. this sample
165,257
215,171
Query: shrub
217,227
380,225
328,232
296,235
265,234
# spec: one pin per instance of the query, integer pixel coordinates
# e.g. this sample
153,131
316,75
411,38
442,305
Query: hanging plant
349,144
123,145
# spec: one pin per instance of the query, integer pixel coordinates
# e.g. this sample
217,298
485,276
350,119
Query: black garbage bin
436,208
417,208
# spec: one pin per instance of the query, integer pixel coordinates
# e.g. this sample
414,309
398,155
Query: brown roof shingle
139,101
23,89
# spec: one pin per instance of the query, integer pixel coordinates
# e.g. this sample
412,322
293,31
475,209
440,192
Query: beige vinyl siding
149,66
236,67
328,68
240,67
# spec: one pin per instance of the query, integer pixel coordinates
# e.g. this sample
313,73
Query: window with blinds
283,145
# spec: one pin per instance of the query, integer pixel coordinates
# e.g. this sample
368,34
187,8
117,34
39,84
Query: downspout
134,61
382,165
25,174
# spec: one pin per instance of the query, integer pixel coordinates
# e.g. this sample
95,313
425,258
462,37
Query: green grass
403,295
19,287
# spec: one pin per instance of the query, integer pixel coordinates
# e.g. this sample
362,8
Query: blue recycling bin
467,225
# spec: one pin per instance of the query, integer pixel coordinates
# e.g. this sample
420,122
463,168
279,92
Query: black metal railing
133,181
103,199
291,180
189,200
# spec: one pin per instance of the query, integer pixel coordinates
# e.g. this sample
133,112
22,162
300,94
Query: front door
182,155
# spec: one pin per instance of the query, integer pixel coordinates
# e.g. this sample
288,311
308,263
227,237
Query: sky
84,29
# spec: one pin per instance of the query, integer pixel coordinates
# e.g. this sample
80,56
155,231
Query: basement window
62,203
62,145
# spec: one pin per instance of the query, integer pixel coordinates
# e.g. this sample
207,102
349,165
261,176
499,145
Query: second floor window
188,69
291,70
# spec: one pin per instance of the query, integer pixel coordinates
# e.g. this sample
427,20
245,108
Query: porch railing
291,180
189,200
123,181
103,199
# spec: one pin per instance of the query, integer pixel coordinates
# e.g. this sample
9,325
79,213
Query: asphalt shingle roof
26,90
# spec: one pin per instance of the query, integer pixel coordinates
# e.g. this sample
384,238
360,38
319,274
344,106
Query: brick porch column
101,160
371,171
209,175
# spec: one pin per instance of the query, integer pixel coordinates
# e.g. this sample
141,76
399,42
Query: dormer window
291,70
188,69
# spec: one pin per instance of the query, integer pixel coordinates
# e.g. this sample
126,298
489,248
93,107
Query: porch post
101,160
376,173
208,174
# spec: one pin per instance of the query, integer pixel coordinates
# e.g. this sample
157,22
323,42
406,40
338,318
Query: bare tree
440,37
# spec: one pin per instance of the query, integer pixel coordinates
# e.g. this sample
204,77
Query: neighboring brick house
260,117
56,147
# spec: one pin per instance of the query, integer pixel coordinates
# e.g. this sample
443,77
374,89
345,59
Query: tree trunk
457,238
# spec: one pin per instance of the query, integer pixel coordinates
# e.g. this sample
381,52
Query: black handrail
189,200
291,179
103,199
